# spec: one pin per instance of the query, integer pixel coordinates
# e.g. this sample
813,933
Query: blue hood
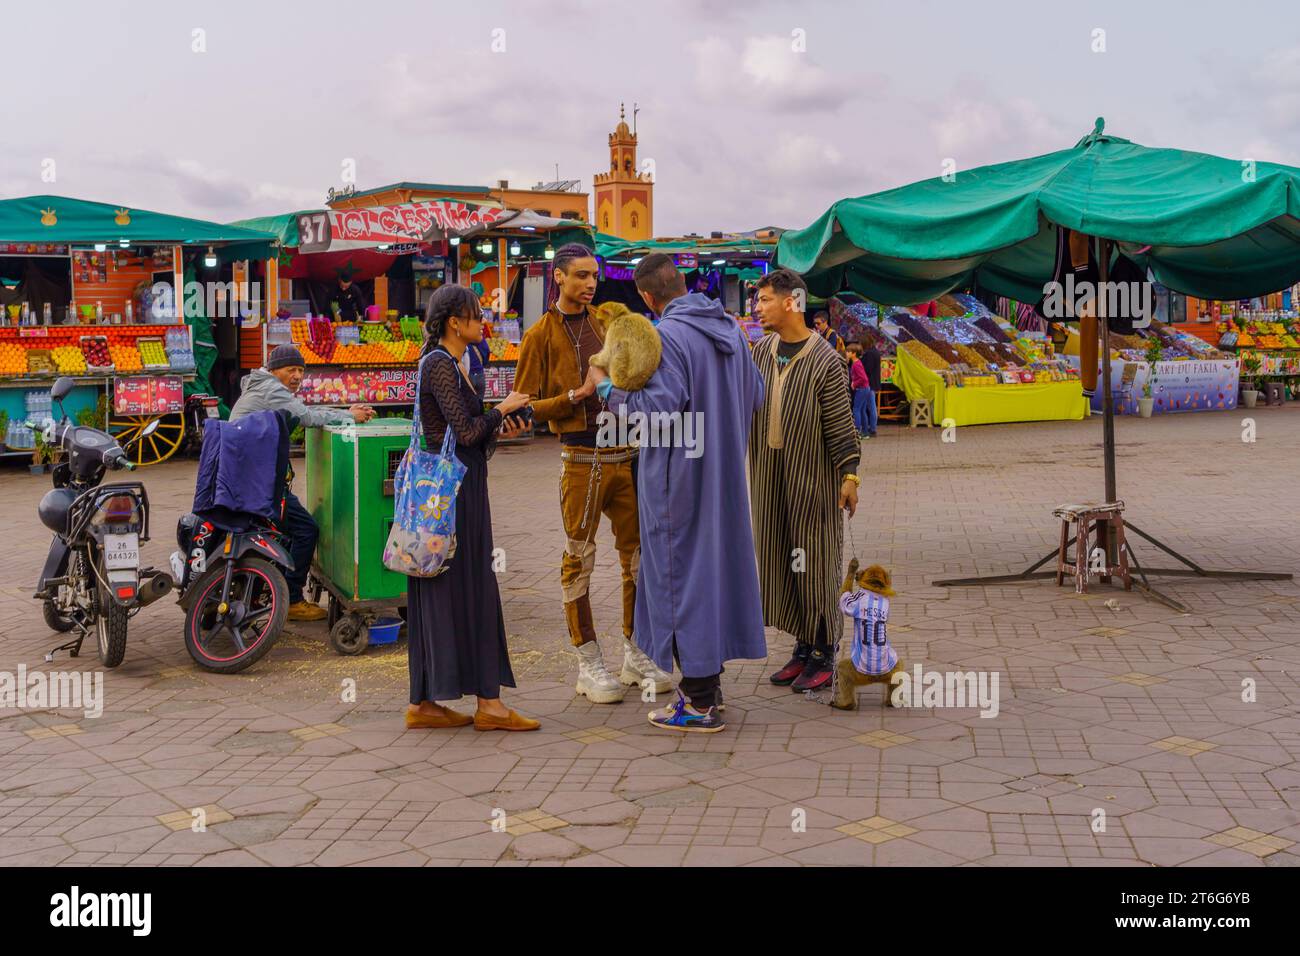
706,316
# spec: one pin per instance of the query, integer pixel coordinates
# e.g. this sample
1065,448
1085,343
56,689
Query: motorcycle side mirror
62,388
149,429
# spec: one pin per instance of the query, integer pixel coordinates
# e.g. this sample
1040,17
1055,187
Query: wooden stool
919,414
1085,519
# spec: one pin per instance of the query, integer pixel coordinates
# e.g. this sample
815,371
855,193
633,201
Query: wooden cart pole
501,277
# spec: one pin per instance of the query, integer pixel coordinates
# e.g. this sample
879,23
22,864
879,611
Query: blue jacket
242,470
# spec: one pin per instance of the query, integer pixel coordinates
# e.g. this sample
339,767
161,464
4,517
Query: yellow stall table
989,404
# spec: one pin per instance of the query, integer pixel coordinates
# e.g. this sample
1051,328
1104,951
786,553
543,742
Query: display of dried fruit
923,354
993,330
971,357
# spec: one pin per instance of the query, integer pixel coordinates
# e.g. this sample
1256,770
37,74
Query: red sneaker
793,668
816,673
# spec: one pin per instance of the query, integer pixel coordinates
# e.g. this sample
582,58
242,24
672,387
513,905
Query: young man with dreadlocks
553,364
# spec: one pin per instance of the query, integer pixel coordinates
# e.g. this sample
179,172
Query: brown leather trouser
582,502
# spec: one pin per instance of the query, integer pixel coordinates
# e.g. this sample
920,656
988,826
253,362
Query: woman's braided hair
447,302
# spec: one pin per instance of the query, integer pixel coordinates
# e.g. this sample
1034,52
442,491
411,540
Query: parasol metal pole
1107,399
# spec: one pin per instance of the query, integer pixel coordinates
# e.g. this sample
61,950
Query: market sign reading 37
313,232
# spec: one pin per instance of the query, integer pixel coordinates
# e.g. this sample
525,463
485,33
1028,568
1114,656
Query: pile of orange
13,359
126,358
362,355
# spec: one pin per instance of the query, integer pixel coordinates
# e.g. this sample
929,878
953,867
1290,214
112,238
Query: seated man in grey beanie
275,388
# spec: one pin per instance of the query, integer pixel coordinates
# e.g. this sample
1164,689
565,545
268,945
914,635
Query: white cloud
768,67
980,128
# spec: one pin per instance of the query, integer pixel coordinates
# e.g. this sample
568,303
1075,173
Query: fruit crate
153,346
95,349
40,362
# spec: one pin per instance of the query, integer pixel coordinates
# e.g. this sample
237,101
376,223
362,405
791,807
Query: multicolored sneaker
682,716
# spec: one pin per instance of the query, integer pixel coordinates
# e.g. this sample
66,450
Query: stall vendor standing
346,300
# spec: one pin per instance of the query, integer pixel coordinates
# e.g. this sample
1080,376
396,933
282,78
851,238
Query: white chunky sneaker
595,682
637,667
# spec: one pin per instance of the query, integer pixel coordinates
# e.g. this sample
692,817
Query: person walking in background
864,399
823,327
553,363
871,365
457,635
803,461
479,354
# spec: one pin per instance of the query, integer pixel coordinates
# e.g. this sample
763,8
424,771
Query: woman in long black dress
457,643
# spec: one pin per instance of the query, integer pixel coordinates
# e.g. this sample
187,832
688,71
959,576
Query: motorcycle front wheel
257,607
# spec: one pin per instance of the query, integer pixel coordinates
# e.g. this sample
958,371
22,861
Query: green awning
1217,228
284,227
58,219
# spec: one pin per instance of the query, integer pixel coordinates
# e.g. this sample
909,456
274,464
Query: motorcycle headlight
116,509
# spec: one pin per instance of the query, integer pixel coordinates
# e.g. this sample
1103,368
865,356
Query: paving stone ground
1109,703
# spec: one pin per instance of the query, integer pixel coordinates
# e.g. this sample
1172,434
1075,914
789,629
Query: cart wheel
349,635
151,449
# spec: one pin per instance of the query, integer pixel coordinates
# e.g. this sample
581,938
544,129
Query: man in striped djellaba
803,462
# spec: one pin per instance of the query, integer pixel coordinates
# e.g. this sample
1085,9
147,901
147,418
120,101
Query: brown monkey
871,658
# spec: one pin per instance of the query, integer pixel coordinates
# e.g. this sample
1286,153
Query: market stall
368,357
970,365
1267,343
1177,371
89,290
1185,219
724,267
515,289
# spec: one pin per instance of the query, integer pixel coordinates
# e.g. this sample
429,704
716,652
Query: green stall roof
1204,225
59,219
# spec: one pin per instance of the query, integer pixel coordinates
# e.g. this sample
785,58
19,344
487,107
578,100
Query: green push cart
350,472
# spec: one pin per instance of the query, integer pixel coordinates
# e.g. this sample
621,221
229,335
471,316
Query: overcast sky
754,113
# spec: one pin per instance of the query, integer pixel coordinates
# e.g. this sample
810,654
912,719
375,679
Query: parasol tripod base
1191,570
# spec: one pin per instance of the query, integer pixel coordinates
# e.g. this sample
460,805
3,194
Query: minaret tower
625,194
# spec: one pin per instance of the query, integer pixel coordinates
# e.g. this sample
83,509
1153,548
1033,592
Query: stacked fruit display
373,332
403,352
40,362
69,360
361,355
126,358
412,328
13,359
503,350
95,349
152,353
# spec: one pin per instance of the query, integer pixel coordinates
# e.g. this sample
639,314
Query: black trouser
702,692
303,533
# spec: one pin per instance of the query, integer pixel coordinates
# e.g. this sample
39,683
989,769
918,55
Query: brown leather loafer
512,721
453,718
